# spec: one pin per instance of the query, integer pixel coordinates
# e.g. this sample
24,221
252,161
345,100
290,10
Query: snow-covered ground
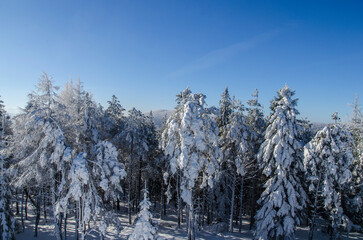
167,229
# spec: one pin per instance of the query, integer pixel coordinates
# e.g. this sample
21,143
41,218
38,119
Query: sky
146,52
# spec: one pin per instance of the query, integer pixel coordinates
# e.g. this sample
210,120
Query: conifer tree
225,108
7,221
328,159
191,143
38,147
255,119
144,229
284,198
237,148
355,203
115,113
223,192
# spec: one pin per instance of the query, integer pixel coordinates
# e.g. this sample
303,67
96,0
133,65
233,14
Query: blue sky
145,52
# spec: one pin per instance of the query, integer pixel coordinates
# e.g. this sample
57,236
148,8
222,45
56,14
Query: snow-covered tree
45,95
284,198
7,221
223,192
38,147
191,142
109,170
144,229
237,145
255,119
328,159
236,140
93,180
115,111
74,103
355,203
87,126
255,116
225,108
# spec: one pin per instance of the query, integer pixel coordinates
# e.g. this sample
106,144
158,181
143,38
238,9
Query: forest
87,169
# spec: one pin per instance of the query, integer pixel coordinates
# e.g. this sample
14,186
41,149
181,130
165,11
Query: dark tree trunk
65,226
253,203
26,205
22,211
17,202
241,205
44,207
37,219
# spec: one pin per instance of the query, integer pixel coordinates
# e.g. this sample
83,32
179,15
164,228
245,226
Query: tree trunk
77,211
37,219
162,200
232,202
56,221
179,199
65,226
26,205
240,205
44,207
191,220
203,207
139,184
17,202
22,211
129,202
253,203
187,216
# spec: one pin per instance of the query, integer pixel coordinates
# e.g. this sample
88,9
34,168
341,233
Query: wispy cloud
221,55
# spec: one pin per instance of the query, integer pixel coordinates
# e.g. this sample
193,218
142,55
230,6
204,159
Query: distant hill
317,126
159,116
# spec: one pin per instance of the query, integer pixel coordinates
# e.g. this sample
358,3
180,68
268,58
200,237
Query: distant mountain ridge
159,115
317,126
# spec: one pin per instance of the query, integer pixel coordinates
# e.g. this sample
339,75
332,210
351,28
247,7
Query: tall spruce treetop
114,108
46,93
280,155
226,108
255,114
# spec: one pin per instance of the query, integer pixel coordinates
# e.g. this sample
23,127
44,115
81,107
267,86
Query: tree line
69,157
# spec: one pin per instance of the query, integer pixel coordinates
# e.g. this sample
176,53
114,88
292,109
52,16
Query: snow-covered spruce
354,204
7,221
236,141
223,192
91,182
256,120
328,159
280,156
144,229
39,147
191,142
